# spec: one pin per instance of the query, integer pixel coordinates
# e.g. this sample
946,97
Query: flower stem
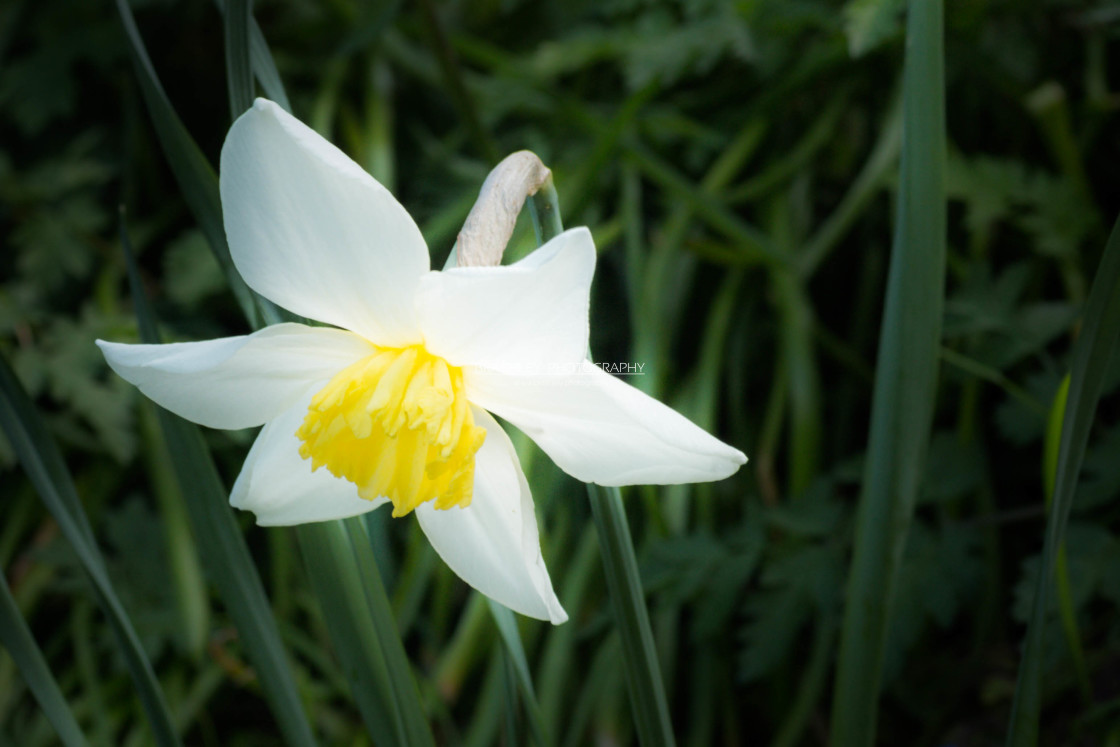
545,209
643,672
620,564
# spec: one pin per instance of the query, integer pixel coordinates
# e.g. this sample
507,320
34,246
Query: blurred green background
698,140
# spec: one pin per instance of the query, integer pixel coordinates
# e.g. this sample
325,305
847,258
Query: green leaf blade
24,650
905,383
43,462
1091,357
195,176
337,581
239,71
224,552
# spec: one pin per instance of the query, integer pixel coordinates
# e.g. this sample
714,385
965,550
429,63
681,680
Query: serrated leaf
137,561
664,51
816,514
938,573
798,585
1000,328
775,619
67,368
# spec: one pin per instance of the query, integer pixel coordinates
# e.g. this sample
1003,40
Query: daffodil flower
392,403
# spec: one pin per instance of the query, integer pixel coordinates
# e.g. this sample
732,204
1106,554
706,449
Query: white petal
599,429
236,382
277,484
313,232
493,543
517,319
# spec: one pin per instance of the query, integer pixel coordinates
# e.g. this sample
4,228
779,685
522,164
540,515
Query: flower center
396,424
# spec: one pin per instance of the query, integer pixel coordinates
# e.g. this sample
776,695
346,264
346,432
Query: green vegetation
871,248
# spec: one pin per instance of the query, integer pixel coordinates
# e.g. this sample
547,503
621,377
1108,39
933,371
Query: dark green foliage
738,165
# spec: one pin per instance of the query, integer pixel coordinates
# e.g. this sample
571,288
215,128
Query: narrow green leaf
796,159
41,459
239,73
24,650
905,383
751,245
406,697
813,683
601,683
512,733
1091,356
192,171
465,647
1051,446
561,667
1052,442
485,722
865,186
334,574
93,681
264,67
192,598
797,349
223,550
515,652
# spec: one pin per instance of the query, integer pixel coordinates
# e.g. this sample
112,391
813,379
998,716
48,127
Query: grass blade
1051,446
750,245
334,574
224,552
1091,355
264,67
406,697
905,383
41,459
239,73
192,597
865,186
797,350
192,171
22,647
515,653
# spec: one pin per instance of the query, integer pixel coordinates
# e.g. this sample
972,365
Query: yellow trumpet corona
398,425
